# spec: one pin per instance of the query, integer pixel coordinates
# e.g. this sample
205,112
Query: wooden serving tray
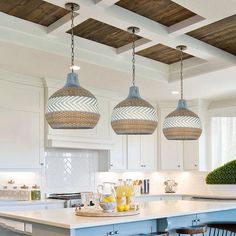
101,213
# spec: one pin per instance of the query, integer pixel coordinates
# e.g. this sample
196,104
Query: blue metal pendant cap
134,92
72,80
182,104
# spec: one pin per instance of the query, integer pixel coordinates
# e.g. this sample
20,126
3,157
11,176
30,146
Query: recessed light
175,92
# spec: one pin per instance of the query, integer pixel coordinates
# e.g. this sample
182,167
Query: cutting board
100,213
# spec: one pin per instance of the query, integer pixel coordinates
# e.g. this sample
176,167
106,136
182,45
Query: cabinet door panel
191,154
134,152
171,150
95,231
148,152
19,139
142,227
118,153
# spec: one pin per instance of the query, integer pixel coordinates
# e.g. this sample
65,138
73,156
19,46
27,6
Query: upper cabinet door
171,153
118,152
149,152
191,155
21,125
134,152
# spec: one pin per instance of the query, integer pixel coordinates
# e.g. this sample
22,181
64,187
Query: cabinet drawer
95,231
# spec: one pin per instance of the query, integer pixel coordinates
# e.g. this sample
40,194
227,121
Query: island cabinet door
141,227
96,231
218,216
171,223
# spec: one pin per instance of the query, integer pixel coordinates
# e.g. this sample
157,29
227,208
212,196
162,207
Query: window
223,140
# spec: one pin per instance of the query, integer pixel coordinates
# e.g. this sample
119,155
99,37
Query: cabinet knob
111,233
116,232
195,165
178,166
111,165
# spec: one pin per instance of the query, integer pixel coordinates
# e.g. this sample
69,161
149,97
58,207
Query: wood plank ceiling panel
36,11
165,12
163,54
103,33
221,34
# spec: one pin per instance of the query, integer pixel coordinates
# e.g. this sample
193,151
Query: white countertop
204,195
65,218
4,203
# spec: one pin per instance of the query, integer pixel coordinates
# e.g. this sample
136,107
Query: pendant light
72,107
182,124
134,115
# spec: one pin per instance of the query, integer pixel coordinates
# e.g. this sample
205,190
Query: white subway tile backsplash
70,170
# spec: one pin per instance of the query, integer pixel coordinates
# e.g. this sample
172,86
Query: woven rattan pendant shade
134,115
72,107
182,124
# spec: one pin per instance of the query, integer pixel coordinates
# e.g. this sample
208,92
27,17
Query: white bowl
222,189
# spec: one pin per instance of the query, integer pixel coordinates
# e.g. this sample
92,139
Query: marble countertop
66,218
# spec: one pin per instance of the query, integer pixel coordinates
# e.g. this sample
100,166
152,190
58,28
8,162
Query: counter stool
196,229
222,229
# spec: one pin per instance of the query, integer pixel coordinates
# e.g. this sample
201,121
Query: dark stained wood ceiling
103,33
163,54
165,12
221,34
36,11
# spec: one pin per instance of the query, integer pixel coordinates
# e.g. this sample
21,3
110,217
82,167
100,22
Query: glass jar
35,193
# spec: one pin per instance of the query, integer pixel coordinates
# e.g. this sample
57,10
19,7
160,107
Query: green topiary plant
225,174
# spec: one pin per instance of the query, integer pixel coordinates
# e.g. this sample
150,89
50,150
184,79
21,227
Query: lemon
109,199
126,207
120,208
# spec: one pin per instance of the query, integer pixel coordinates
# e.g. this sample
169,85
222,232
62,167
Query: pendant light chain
72,38
181,72
133,54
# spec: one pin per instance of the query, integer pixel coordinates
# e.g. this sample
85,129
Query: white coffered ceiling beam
187,25
122,18
139,45
27,34
195,67
106,2
64,24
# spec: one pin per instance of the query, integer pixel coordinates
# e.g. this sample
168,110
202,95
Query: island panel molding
163,54
221,34
165,12
103,33
37,11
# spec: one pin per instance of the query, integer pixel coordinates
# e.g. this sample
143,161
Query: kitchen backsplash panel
70,170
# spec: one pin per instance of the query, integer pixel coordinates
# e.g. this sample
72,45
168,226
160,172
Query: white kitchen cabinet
21,125
177,155
141,152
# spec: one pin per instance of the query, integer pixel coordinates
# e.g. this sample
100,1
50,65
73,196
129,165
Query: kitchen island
154,216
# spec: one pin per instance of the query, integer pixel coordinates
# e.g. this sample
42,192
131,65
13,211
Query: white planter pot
222,189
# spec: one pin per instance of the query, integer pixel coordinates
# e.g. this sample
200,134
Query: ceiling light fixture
182,124
134,115
175,92
72,107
